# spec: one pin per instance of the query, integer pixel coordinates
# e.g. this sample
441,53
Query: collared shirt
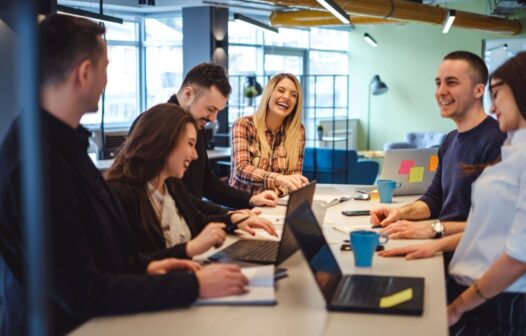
497,219
250,170
173,225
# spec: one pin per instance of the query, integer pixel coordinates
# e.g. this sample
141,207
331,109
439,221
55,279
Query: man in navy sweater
460,84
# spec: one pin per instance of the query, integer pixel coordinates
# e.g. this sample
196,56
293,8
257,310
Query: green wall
406,59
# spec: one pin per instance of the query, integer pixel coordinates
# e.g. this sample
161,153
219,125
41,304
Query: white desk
301,308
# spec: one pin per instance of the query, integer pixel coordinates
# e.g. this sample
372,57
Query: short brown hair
477,65
144,153
206,75
64,42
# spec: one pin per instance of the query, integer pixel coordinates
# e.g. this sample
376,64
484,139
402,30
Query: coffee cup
386,190
364,245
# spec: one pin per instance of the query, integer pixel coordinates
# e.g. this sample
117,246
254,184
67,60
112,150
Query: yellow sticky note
396,298
433,163
416,175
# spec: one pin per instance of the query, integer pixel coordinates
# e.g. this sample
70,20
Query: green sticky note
396,298
416,174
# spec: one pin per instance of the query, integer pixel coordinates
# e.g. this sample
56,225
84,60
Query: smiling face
204,104
183,154
505,107
282,99
456,91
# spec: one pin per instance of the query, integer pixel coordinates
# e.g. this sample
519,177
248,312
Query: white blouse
174,227
497,218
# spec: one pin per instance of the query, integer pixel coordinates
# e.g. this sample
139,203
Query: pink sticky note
405,167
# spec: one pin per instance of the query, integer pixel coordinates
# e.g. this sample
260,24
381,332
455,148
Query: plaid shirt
250,171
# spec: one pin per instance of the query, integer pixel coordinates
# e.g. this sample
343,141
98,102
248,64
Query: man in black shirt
204,93
460,85
94,265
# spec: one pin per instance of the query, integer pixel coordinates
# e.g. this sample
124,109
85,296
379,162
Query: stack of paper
329,200
260,289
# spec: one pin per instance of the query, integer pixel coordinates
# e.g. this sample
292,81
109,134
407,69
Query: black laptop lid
317,252
296,198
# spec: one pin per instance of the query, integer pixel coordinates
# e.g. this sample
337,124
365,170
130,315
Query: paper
348,228
416,175
274,219
405,167
433,163
396,298
260,289
330,200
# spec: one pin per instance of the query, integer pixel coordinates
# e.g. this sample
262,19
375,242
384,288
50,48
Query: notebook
268,251
413,168
355,293
260,289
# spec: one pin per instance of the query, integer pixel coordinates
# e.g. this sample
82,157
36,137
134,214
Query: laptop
355,293
413,168
267,251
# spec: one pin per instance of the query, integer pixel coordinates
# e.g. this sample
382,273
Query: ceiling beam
309,18
414,12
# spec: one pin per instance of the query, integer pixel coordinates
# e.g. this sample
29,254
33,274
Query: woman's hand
212,235
453,314
164,266
291,182
252,222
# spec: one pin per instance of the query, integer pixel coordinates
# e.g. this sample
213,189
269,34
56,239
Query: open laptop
413,168
268,251
356,293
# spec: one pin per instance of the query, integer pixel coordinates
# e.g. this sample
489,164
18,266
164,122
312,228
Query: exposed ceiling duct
399,10
310,18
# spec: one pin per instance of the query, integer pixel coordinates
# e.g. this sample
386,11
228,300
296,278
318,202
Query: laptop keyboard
362,290
253,250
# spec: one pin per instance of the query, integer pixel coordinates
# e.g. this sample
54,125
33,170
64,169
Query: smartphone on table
355,212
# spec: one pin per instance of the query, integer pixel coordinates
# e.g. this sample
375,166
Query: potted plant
251,89
320,131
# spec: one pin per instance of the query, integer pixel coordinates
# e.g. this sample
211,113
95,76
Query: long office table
301,308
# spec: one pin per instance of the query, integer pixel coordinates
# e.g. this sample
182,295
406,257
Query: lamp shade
377,86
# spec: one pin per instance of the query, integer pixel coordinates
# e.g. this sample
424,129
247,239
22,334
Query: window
121,104
318,56
145,69
164,58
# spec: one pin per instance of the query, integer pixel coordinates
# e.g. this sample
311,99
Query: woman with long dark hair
146,175
487,285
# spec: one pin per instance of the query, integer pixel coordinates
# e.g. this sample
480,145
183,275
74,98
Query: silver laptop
414,169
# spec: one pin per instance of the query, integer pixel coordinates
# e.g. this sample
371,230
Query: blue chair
340,166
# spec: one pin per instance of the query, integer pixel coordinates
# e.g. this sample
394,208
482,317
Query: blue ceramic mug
364,245
386,190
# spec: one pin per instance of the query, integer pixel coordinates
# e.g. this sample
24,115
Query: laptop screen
317,252
288,244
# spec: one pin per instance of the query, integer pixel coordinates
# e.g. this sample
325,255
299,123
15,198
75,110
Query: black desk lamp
376,87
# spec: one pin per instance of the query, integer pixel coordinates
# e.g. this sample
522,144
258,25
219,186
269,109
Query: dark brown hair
513,74
206,75
65,41
477,65
144,153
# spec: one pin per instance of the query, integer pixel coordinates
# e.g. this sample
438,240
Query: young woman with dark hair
146,177
487,284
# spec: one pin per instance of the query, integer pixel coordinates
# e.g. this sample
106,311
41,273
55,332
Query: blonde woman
268,146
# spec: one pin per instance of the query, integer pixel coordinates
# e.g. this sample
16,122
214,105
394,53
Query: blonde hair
291,124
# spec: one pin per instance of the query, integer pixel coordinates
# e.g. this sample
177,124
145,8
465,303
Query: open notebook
260,289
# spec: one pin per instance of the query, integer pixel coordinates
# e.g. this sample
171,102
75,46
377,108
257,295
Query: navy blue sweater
449,195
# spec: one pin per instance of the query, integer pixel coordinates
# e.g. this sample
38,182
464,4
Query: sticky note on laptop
396,298
416,175
405,167
433,163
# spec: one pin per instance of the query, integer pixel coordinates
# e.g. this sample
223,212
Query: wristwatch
439,229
